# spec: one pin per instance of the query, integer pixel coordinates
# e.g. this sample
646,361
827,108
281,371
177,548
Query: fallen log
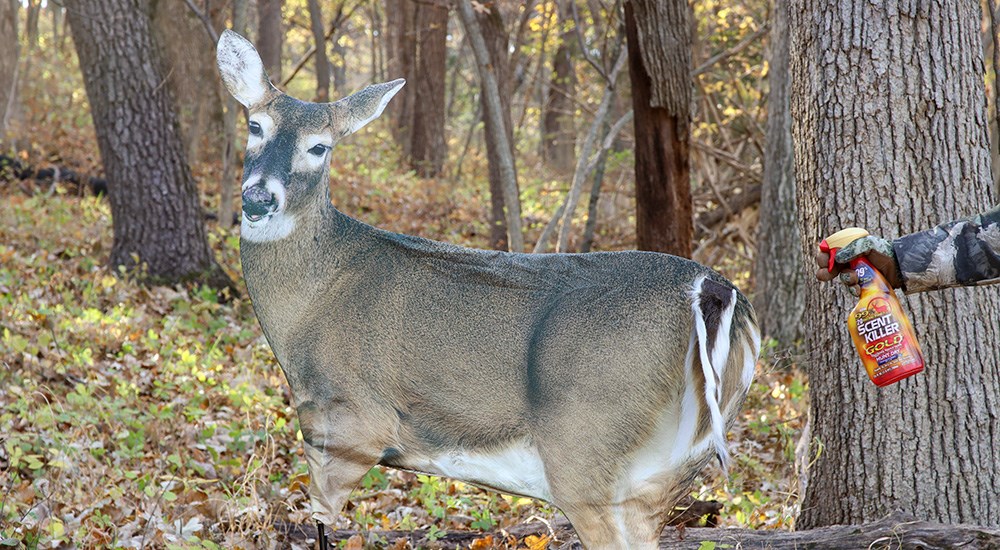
898,531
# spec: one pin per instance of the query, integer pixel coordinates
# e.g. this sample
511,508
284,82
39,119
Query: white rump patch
713,376
674,440
517,469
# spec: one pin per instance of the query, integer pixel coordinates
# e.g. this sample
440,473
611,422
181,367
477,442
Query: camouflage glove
877,250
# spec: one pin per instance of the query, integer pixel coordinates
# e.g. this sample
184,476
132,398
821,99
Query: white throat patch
269,228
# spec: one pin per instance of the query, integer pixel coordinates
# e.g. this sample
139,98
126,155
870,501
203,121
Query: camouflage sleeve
960,253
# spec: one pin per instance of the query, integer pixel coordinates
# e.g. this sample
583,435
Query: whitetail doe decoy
600,382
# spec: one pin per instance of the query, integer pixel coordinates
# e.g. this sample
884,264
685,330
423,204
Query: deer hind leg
614,526
604,516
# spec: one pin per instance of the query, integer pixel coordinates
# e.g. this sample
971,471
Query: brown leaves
357,542
537,542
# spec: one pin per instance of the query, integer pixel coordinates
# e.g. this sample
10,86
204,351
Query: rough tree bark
659,45
890,133
558,134
9,50
156,217
779,296
488,38
427,141
270,36
993,10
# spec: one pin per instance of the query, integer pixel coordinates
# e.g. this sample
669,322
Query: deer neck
285,276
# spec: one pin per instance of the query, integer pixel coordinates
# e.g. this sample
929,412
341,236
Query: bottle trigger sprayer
881,332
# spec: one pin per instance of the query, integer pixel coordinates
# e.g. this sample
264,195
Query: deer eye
255,129
319,149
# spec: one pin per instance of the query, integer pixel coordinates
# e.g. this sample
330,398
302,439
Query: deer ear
242,69
364,106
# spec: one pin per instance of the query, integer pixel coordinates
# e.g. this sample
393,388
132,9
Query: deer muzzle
258,201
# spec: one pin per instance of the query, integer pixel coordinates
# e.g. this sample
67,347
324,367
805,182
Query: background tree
270,36
489,40
9,49
659,45
399,50
558,135
428,147
890,134
321,59
154,200
779,275
418,45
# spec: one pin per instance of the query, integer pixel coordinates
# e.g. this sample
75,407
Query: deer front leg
339,451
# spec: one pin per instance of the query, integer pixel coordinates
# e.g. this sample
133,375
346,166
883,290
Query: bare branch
205,21
335,24
729,52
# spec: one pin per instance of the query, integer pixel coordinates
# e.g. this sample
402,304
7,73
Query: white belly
516,469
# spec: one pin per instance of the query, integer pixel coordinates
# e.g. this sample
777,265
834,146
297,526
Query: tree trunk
156,216
780,274
270,36
31,25
558,134
188,54
993,9
339,64
322,62
890,133
659,49
9,50
427,142
399,19
495,36
229,182
487,36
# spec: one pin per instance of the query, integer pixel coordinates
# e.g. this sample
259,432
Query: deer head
286,166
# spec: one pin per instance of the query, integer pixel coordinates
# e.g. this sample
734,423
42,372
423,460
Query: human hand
876,250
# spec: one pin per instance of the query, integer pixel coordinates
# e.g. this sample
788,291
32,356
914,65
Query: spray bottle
881,332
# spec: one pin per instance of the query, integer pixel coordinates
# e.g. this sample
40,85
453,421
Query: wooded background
743,132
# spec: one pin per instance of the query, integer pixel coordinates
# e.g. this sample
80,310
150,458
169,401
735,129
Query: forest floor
157,416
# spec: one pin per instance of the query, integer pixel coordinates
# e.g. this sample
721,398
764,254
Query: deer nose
258,201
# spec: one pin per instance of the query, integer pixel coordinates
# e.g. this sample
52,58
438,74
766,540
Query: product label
879,327
880,332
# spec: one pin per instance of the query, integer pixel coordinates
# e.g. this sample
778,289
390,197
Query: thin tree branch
205,21
583,46
729,52
334,26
